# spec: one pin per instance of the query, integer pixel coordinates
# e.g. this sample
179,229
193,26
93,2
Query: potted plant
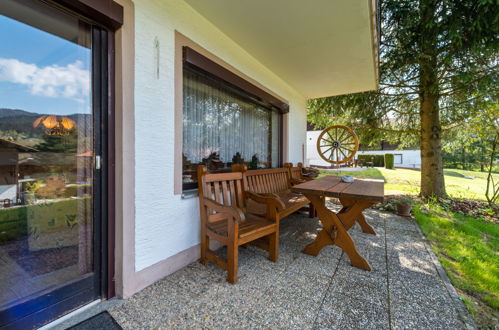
404,206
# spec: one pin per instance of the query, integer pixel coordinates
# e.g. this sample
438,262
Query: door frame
109,16
106,17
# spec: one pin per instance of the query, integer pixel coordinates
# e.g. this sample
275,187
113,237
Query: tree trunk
482,158
463,158
432,175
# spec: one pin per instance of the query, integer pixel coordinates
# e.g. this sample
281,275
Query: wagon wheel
337,144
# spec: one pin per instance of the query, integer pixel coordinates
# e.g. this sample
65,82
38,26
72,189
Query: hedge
14,221
389,160
378,160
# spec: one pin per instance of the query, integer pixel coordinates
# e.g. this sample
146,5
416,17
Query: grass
468,249
402,181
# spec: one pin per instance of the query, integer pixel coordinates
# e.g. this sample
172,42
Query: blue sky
42,73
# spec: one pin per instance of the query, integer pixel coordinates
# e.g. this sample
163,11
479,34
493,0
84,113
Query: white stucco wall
166,224
410,158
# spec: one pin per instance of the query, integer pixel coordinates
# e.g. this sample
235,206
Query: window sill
190,193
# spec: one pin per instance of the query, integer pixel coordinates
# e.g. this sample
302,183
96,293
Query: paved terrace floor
405,289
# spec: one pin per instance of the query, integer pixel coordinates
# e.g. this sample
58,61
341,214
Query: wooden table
354,197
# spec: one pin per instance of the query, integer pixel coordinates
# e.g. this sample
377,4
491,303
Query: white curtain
217,119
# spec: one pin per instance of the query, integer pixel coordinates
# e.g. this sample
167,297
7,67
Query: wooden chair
224,218
274,183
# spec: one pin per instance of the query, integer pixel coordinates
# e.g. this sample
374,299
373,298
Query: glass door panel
46,154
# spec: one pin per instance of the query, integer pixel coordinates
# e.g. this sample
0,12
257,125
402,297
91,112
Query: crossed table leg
336,226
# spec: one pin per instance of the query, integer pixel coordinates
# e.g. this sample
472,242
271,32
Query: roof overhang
320,48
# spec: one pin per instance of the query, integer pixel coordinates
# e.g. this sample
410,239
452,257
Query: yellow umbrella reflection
55,125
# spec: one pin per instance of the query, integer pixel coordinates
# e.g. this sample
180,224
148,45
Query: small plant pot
404,210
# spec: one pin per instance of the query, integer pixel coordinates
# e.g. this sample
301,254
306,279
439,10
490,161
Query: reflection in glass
46,151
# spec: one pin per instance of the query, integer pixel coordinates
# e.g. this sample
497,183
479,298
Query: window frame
104,17
232,86
401,159
181,41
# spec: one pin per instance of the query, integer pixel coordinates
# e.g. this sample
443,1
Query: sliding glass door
52,94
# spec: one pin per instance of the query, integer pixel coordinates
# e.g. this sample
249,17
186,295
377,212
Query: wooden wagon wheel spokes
337,144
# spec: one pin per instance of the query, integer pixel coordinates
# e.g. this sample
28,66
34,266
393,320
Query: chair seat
252,224
292,203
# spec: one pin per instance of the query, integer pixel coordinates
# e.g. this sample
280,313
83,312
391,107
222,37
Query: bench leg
274,247
205,244
232,262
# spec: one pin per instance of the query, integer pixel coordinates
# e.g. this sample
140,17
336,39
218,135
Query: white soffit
319,47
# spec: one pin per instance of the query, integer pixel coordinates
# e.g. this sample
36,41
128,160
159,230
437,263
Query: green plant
389,160
32,187
237,158
377,160
404,200
254,162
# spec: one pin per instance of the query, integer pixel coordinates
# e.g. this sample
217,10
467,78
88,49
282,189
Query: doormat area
102,320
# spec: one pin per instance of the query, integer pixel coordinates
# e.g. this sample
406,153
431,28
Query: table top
332,186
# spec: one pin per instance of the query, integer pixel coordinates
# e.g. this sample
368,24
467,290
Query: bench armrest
271,200
231,211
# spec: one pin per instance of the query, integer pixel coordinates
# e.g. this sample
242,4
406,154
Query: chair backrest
264,181
224,188
295,172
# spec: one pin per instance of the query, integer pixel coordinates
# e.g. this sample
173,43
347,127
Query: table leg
348,204
334,233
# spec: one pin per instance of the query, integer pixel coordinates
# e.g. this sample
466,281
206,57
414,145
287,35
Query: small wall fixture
156,54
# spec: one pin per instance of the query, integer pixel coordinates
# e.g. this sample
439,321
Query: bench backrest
264,181
295,172
224,188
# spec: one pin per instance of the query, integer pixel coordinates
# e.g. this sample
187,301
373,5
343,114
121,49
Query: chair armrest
271,200
232,211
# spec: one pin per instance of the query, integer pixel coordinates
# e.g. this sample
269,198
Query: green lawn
468,249
402,181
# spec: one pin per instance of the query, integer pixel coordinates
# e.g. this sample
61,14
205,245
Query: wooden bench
274,183
224,218
296,173
297,177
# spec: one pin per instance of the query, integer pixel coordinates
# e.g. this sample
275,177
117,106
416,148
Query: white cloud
71,81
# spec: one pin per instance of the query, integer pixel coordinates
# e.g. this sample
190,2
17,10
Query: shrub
389,160
377,160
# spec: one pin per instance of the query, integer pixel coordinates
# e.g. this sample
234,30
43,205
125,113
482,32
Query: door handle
98,162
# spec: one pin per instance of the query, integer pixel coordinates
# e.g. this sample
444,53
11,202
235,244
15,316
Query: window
397,158
222,124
